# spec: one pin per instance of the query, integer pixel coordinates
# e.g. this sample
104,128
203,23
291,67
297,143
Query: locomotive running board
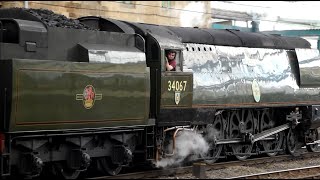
256,137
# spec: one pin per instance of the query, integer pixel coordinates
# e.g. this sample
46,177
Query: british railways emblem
88,96
177,97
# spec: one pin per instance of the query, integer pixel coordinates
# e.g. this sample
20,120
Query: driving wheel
267,122
314,147
237,126
291,142
214,133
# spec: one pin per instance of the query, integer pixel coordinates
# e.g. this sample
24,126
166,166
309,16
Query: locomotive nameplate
256,90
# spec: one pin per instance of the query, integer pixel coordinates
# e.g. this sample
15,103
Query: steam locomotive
94,92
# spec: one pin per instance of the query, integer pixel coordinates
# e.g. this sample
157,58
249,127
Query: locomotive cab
176,89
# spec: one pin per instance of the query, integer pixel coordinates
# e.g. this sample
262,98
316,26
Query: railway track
312,172
208,167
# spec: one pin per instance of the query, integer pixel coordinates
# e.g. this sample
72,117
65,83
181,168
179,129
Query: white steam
193,15
187,143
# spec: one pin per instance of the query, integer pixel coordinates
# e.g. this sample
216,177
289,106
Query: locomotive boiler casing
247,77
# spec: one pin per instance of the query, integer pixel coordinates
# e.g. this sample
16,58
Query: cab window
172,60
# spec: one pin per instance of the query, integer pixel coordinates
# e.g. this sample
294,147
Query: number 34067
177,85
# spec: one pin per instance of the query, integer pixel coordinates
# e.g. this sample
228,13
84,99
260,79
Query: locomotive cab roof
172,36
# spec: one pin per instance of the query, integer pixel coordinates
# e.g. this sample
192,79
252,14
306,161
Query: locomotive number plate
177,85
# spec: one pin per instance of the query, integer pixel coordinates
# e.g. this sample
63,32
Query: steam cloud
187,143
193,15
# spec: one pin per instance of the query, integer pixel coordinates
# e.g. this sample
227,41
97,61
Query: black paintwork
5,93
186,116
107,24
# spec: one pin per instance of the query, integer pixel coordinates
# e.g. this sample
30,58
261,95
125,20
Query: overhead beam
230,15
308,32
299,21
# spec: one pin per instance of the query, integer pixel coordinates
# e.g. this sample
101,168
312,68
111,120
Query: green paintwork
47,95
168,97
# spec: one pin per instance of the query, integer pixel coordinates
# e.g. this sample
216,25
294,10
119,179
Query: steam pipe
172,128
174,142
168,129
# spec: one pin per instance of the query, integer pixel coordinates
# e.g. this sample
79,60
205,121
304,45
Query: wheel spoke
291,142
266,123
216,131
241,151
